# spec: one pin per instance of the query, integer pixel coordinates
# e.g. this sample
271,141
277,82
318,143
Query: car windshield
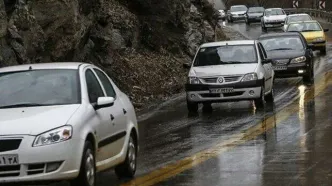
39,88
274,12
304,27
282,43
256,10
297,18
223,55
238,8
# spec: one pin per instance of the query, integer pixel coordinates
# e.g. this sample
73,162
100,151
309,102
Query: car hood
34,120
220,70
238,12
312,35
285,54
275,17
255,14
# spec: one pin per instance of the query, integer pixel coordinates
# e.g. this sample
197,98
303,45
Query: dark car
254,14
290,54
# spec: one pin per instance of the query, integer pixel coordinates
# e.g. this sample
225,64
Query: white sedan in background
296,18
64,121
273,17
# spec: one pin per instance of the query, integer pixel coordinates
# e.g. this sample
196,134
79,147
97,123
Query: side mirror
187,65
103,102
326,30
267,61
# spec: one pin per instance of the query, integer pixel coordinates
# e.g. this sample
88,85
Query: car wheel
87,175
264,29
230,20
323,51
260,102
192,107
207,107
309,77
128,168
270,97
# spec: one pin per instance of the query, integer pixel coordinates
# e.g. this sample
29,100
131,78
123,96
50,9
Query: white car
273,17
296,18
222,14
229,71
236,12
64,121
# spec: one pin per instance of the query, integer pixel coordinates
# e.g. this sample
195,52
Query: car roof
273,9
282,34
223,43
39,66
294,15
239,6
309,21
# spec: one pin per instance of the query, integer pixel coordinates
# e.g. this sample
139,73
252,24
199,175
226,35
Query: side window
261,55
94,89
106,83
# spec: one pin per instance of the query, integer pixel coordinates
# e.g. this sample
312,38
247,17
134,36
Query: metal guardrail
313,12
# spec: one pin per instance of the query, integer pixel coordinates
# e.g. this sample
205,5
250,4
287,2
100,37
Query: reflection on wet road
288,143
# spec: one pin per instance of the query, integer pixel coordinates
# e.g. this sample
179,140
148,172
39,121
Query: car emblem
220,79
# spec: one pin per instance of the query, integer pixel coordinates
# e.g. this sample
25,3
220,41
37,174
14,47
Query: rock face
140,43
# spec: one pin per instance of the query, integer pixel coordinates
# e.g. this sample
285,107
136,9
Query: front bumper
67,153
200,93
272,24
237,17
254,19
293,70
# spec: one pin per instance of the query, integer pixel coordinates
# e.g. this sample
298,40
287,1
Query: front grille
281,62
210,80
10,171
36,169
227,79
231,78
9,144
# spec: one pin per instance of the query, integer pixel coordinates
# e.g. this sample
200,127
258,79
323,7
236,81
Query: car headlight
194,80
250,77
299,59
54,136
319,39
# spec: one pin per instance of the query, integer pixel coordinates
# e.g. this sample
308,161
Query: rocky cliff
141,44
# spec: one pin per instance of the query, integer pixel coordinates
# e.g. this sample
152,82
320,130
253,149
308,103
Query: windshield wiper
281,49
23,105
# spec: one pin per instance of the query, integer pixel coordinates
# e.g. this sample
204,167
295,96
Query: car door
102,116
267,68
118,113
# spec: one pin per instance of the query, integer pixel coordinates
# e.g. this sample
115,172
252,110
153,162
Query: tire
207,107
230,20
192,107
323,51
260,102
127,169
247,22
87,175
309,77
270,97
264,29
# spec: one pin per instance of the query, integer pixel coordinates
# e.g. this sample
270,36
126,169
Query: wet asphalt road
288,143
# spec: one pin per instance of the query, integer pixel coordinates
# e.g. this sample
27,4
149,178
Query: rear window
223,55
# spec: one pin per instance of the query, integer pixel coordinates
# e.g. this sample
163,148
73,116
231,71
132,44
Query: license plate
222,90
279,68
10,159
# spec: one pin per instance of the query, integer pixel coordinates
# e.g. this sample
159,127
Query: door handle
124,111
112,117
